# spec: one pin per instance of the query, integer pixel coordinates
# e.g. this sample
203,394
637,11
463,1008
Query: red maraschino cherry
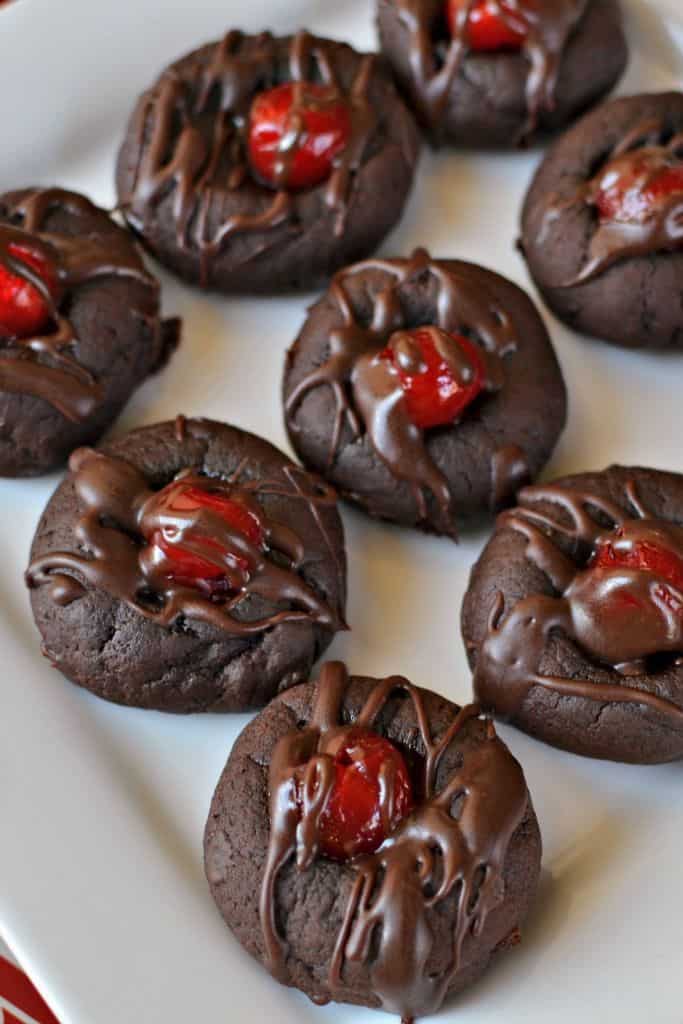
367,767
435,396
634,185
304,126
643,555
487,30
189,568
23,310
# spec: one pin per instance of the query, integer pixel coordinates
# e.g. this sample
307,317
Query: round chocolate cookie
371,843
497,73
262,164
79,326
188,567
601,225
573,620
427,391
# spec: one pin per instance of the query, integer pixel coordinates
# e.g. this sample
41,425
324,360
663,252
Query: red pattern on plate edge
15,988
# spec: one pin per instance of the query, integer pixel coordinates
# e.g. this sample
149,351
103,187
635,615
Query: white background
102,894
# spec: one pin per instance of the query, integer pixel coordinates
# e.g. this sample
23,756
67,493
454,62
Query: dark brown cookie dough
573,620
573,57
63,385
473,821
334,397
612,281
187,190
112,622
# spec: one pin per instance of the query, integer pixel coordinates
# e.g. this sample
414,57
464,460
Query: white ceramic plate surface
102,893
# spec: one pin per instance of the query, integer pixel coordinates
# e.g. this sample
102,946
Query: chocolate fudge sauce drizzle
121,510
367,391
41,365
455,841
589,608
613,241
205,171
548,24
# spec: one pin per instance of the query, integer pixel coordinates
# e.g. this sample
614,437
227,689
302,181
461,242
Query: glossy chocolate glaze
189,145
435,67
366,388
121,513
619,616
457,836
613,241
42,365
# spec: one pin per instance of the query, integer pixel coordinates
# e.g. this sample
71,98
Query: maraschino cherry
636,184
642,555
487,29
23,310
434,394
205,569
296,131
358,816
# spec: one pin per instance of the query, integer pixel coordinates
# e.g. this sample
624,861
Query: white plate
102,894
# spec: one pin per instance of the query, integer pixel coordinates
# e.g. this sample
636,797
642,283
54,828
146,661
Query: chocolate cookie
188,567
79,326
426,391
314,785
498,72
260,164
602,223
573,620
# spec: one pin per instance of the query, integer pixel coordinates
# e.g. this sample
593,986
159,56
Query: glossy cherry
434,396
189,567
632,186
366,766
487,31
23,310
310,117
658,561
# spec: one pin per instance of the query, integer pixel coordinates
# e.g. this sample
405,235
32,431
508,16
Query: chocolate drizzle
121,512
661,230
192,131
619,616
42,365
454,843
367,391
435,66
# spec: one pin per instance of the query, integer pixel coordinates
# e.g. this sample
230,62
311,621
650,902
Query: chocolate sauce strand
42,365
549,25
114,492
368,393
185,161
428,856
614,241
515,642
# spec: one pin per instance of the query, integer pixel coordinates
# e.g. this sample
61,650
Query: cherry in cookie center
632,589
296,131
634,186
368,792
440,373
199,535
28,284
491,25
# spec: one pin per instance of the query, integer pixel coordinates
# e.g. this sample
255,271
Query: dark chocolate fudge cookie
260,164
371,843
79,326
602,225
188,567
497,72
573,620
426,391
